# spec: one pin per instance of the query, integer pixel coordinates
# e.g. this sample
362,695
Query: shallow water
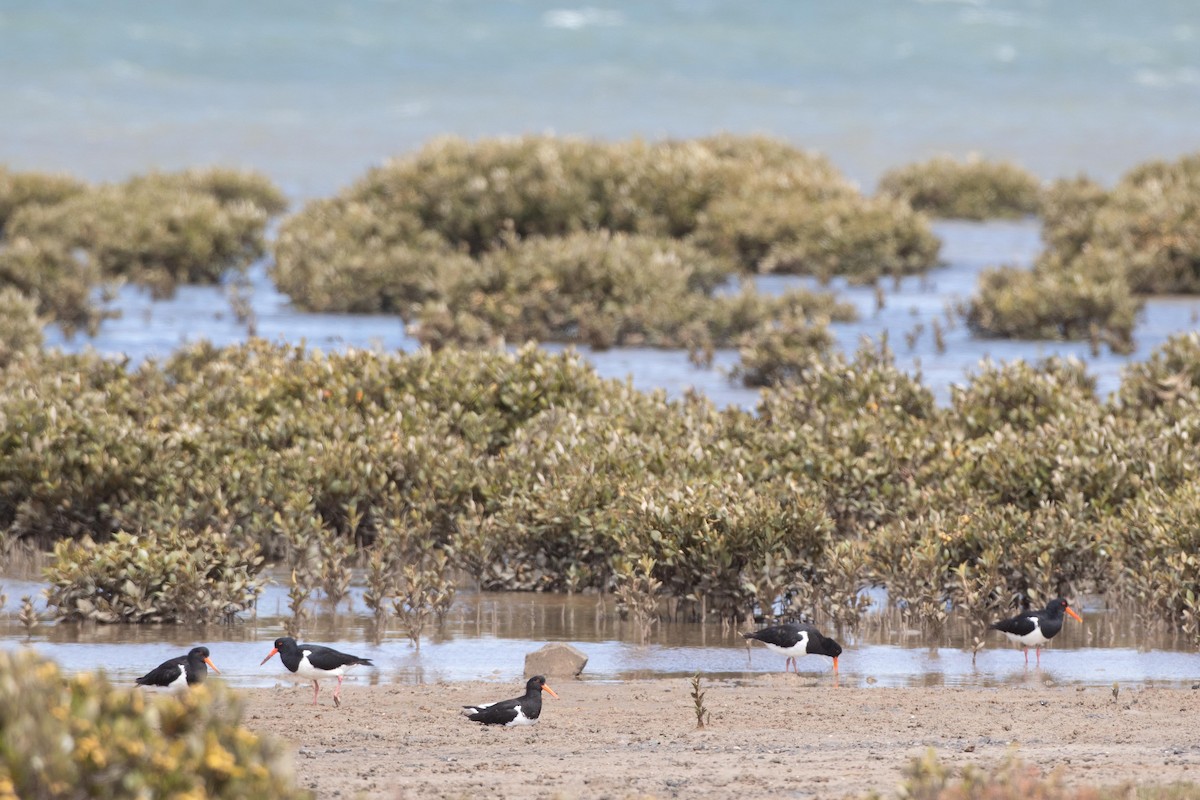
486,637
154,329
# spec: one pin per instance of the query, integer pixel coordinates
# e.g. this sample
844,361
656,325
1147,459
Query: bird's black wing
500,713
323,657
1018,626
779,635
164,673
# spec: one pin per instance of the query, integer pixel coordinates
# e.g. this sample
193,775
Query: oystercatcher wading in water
523,710
314,661
1035,628
179,673
794,639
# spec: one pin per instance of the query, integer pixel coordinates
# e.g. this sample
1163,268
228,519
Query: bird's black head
825,647
199,653
285,643
538,684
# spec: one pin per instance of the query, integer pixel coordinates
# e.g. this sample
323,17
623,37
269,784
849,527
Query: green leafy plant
174,576
974,188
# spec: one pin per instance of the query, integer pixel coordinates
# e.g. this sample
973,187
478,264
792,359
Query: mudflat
773,735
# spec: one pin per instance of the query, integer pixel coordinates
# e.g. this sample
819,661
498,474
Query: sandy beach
773,736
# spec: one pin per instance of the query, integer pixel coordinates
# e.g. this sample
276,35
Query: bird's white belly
795,651
307,670
1032,639
520,719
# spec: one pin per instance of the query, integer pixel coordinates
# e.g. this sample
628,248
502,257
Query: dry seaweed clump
557,228
80,736
972,189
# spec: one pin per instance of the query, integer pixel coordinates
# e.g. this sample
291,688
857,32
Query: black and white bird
1035,628
314,661
523,710
181,672
794,639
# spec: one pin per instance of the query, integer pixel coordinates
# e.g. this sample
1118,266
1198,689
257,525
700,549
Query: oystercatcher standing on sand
314,661
181,672
794,639
1035,628
523,710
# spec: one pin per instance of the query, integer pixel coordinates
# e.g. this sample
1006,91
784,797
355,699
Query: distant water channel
912,307
486,636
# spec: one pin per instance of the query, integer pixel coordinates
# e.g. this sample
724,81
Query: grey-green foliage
1104,251
974,188
531,472
602,243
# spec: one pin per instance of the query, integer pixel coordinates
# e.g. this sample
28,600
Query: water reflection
486,637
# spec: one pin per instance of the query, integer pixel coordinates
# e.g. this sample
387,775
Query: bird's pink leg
1039,656
337,693
316,691
1026,649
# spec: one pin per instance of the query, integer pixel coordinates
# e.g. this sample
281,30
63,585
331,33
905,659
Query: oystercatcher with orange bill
794,639
181,672
314,661
1035,628
523,710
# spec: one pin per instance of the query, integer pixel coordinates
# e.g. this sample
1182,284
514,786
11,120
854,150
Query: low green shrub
1054,303
158,230
533,473
972,189
800,224
168,576
1103,249
60,280
1021,395
19,189
569,240
20,326
344,256
776,353
1150,226
80,736
1167,382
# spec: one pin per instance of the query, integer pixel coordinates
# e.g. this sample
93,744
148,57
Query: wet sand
774,736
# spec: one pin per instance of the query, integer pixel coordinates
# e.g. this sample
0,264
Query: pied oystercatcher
523,710
794,639
1035,628
179,673
314,661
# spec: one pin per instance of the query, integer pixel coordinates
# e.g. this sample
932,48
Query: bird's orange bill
274,650
546,688
1071,611
213,666
835,664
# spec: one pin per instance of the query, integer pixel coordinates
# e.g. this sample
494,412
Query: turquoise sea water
312,93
